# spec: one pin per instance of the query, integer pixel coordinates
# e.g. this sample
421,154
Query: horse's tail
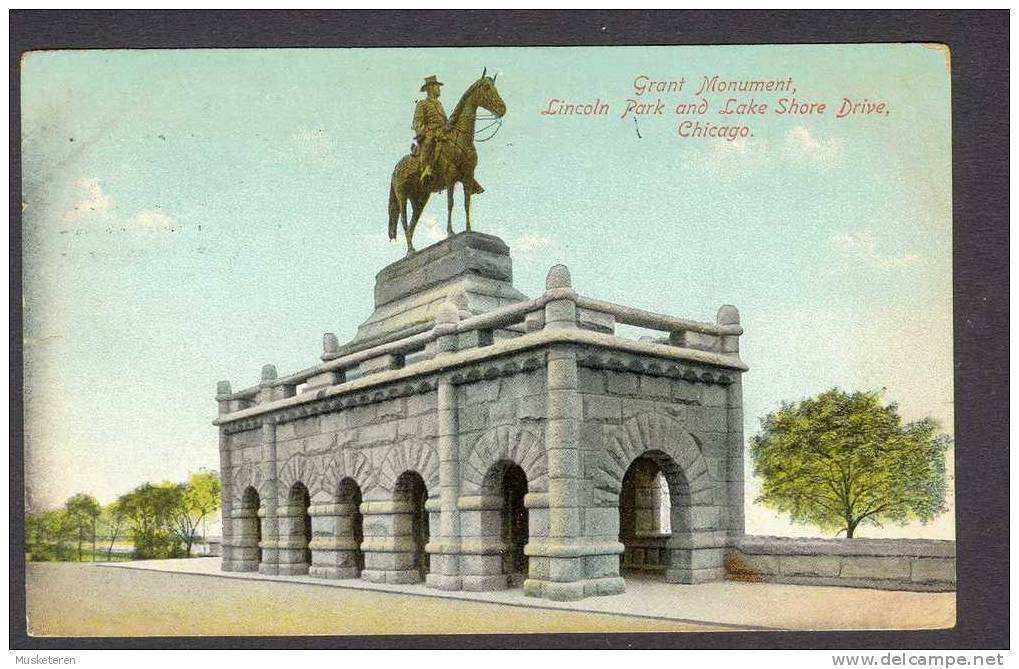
394,208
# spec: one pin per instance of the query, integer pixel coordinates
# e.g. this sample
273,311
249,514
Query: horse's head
487,96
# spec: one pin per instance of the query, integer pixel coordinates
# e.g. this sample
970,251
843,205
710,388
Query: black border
979,47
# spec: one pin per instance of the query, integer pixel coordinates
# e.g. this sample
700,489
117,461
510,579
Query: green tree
150,510
198,499
49,536
114,515
83,513
839,460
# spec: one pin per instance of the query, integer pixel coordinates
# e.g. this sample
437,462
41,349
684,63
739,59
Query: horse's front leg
467,202
449,210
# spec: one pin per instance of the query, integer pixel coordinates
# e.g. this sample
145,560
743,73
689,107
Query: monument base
471,267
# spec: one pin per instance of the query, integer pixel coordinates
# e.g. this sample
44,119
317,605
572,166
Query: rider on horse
430,123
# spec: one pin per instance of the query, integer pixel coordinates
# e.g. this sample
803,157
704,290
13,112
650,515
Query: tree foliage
840,460
83,513
114,516
150,512
49,536
163,520
198,499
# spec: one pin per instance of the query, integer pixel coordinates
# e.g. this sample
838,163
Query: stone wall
888,564
689,425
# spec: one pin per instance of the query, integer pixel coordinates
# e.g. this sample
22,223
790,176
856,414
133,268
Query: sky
190,215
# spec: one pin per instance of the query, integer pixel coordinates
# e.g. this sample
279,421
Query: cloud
93,208
90,200
152,220
802,145
863,244
733,159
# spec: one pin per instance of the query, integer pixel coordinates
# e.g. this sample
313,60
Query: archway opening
251,525
411,489
645,517
349,497
301,532
506,482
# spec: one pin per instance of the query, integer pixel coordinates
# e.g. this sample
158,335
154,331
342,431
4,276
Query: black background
979,47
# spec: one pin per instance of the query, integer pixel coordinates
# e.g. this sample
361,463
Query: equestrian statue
443,154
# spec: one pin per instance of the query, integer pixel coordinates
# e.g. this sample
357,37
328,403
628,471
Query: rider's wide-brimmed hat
430,81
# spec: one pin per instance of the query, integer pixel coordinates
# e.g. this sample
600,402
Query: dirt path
85,600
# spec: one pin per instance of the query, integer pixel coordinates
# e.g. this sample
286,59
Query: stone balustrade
682,337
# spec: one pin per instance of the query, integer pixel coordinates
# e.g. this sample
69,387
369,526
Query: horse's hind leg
408,231
403,221
449,210
417,207
467,205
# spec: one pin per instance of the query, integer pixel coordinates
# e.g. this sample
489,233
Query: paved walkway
725,604
85,600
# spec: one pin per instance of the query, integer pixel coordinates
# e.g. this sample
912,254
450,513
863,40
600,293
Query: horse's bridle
496,121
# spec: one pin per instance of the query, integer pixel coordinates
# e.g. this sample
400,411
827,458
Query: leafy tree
840,460
150,510
83,513
49,536
115,515
198,499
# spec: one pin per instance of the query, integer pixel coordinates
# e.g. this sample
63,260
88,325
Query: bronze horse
455,159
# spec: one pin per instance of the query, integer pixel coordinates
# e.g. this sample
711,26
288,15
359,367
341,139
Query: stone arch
525,448
410,455
505,517
347,463
300,468
248,475
411,490
693,551
663,439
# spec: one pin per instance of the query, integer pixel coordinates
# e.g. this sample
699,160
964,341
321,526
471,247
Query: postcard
449,341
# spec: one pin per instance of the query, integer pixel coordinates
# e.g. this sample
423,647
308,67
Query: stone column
735,523
244,550
444,549
388,544
292,543
226,510
334,545
647,500
566,566
483,547
270,522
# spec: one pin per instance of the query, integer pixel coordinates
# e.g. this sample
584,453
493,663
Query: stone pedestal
242,552
292,543
409,292
390,551
335,544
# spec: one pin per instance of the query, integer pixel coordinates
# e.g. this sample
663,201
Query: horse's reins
496,121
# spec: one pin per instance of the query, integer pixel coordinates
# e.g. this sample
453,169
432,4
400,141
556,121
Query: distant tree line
160,520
